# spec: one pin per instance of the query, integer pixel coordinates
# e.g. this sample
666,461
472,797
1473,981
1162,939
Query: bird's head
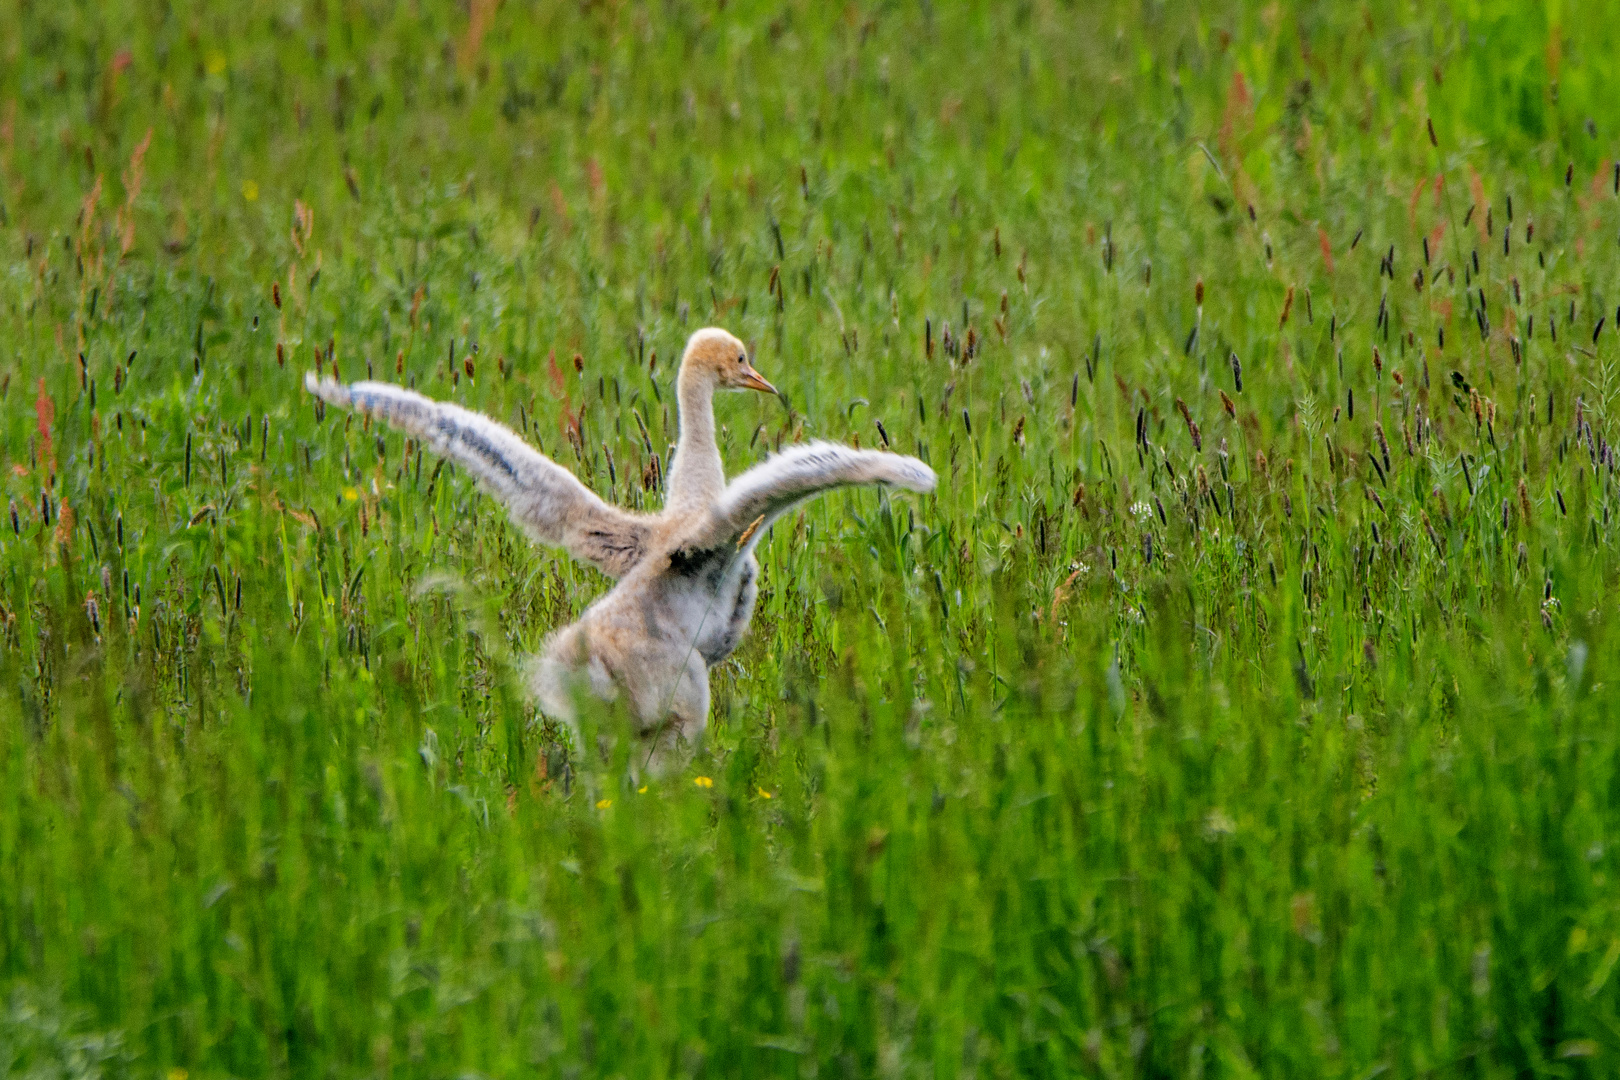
718,356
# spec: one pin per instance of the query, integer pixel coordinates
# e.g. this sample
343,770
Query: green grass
1128,753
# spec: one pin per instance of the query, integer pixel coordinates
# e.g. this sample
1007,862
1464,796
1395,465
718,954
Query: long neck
697,477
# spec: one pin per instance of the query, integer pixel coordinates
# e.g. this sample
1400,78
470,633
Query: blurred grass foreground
1242,704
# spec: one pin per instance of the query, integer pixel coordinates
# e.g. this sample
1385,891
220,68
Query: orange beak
752,380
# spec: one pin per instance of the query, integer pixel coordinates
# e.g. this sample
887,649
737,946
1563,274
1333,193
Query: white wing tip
921,478
329,389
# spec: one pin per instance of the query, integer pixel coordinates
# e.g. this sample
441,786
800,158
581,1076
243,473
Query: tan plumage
687,575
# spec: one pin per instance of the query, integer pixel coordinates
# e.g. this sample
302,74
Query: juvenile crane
686,577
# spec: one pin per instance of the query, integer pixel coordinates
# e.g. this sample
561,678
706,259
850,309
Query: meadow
1239,706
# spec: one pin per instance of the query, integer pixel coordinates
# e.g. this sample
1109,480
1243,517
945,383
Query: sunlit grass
1239,704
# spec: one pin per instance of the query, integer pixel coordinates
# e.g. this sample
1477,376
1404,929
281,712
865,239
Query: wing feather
545,500
757,497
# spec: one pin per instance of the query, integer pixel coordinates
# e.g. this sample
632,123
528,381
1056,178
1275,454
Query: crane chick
686,576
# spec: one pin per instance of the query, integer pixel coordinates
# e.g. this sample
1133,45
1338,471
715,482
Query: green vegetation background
1193,728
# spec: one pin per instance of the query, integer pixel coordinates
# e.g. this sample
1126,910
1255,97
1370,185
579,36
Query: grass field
1242,704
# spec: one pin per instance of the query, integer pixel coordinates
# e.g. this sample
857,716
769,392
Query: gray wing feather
756,498
546,500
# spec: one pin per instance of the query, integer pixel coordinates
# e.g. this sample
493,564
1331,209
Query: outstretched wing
545,499
759,496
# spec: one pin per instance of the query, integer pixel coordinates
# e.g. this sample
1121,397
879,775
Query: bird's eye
742,361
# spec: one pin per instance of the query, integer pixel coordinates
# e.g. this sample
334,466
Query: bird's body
687,576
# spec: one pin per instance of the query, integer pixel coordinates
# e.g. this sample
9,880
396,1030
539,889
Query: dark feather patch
618,551
690,562
476,442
